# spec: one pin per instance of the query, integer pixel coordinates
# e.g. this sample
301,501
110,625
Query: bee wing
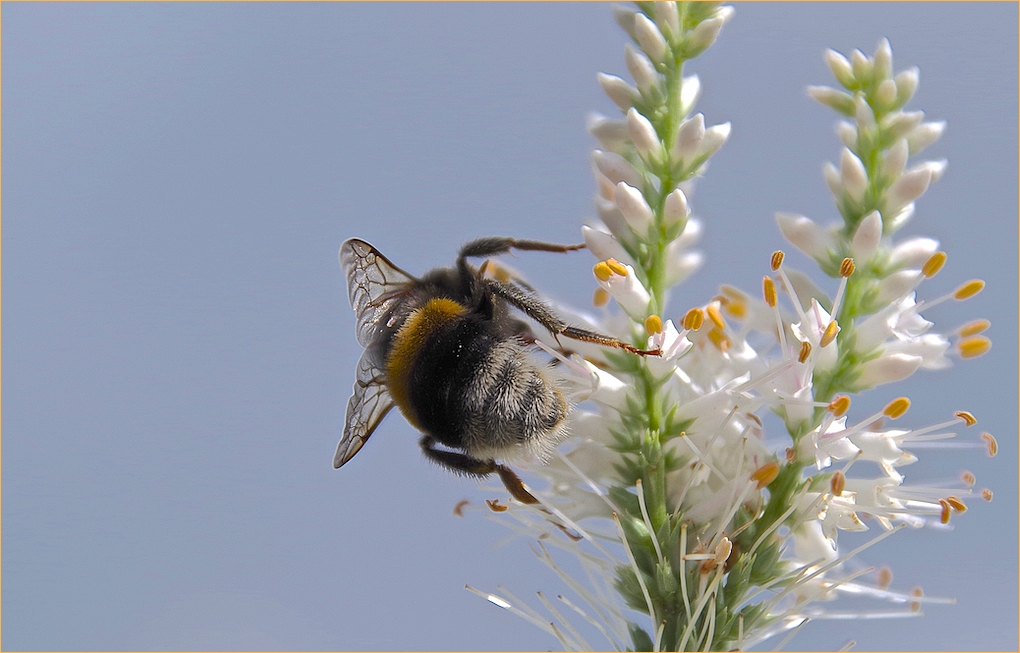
373,285
365,409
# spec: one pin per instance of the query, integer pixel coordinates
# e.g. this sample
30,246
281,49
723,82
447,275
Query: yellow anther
846,268
754,418
458,509
934,263
602,271
839,406
956,504
715,316
968,479
974,328
777,259
837,483
884,578
969,289
830,334
895,408
653,325
694,319
765,474
967,417
496,506
769,288
805,351
946,511
986,494
974,346
736,309
601,297
616,267
719,339
991,443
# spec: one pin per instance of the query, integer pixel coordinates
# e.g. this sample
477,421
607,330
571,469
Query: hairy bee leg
501,244
514,485
544,315
463,464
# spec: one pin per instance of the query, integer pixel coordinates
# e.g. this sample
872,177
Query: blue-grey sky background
178,348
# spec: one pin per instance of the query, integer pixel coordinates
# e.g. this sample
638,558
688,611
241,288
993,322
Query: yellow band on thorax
411,337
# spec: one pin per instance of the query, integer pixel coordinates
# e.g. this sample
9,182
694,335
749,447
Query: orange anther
601,297
973,328
956,504
974,346
993,446
766,474
946,511
715,316
847,267
839,406
694,319
969,289
653,325
777,259
830,334
967,417
805,351
616,267
934,263
895,408
769,289
837,483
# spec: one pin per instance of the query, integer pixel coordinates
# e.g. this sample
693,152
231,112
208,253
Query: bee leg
463,464
538,311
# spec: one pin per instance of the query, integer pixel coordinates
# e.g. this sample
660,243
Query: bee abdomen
511,406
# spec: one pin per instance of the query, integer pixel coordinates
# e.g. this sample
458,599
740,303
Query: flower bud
853,175
649,38
616,168
633,207
882,61
674,210
619,91
641,69
642,134
924,135
867,237
688,138
840,67
906,85
830,97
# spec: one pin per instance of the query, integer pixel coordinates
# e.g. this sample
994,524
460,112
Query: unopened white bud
714,138
642,133
832,179
667,17
862,111
704,35
853,175
690,90
908,188
649,38
610,216
897,218
634,208
882,61
688,138
619,91
616,168
894,286
866,238
937,168
885,94
847,133
611,134
604,246
862,66
804,234
895,159
840,67
906,85
674,209
924,135
625,18
641,69
902,123
830,97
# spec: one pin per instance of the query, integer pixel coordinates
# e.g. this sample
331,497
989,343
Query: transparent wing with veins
365,409
373,285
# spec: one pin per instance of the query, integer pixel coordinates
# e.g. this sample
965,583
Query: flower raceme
672,483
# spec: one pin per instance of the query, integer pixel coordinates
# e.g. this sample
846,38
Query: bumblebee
448,350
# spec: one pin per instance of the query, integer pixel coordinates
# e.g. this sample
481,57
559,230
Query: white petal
896,159
690,90
646,141
714,138
840,67
853,175
674,209
804,234
925,134
641,69
866,238
865,116
688,138
830,97
667,17
633,207
882,61
906,85
908,188
611,134
649,38
848,134
618,90
616,168
886,369
613,219
604,246
704,35
901,123
885,94
832,179
863,68
913,252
